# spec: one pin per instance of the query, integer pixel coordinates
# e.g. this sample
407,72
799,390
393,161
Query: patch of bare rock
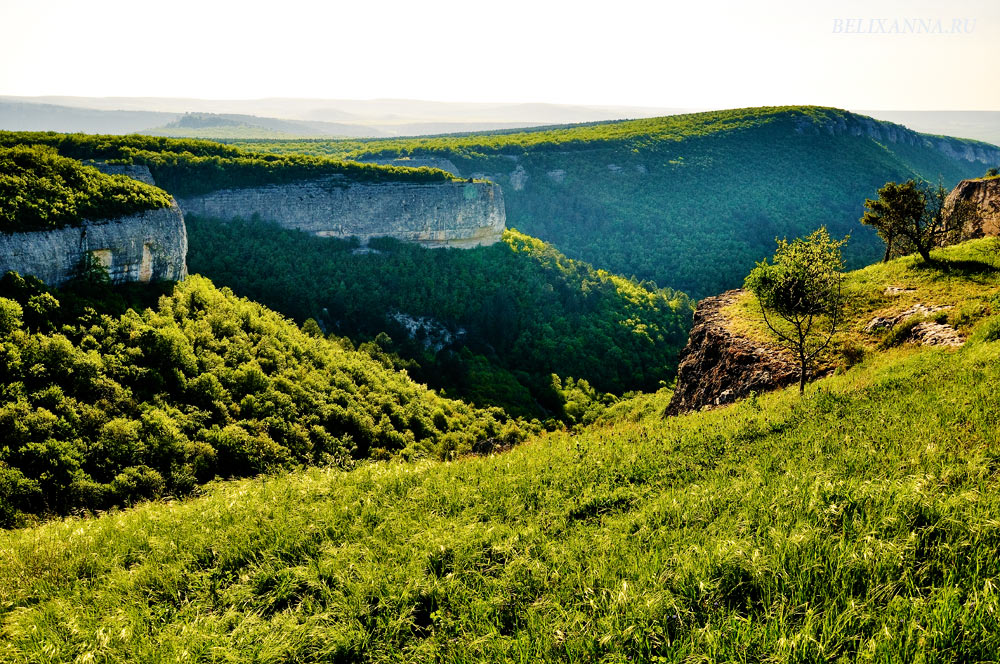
718,367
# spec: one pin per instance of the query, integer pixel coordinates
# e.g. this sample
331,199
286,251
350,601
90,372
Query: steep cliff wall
450,214
718,367
150,246
887,132
984,196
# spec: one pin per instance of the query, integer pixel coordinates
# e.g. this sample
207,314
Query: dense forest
40,190
491,324
187,167
689,201
105,402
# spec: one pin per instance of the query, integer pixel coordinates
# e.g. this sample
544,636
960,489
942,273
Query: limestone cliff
851,124
718,367
984,196
149,246
448,214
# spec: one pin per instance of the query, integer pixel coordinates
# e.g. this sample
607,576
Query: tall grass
856,524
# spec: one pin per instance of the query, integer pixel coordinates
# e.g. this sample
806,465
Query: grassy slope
966,279
858,523
699,198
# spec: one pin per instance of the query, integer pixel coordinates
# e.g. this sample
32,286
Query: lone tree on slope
912,216
800,295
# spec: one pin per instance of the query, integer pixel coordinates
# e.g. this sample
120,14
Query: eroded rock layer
150,246
718,367
983,195
450,214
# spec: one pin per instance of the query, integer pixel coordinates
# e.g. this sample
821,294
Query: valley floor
858,523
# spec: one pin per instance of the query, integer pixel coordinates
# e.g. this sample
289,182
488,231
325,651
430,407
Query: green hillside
688,201
187,167
490,325
103,409
39,190
857,523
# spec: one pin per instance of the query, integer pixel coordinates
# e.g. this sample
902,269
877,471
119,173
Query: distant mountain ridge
689,201
286,118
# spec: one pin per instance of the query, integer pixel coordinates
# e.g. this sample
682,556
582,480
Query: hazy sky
705,53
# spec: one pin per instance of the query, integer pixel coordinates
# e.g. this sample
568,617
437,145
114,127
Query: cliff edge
147,246
440,214
983,194
718,367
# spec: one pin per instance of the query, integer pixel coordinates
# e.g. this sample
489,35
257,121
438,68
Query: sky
876,54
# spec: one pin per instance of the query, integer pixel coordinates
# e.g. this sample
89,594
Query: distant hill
216,125
689,201
281,118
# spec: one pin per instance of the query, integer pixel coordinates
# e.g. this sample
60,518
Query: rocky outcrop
144,247
718,367
447,214
850,124
983,196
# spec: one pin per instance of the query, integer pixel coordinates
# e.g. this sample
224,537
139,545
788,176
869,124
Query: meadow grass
964,278
859,523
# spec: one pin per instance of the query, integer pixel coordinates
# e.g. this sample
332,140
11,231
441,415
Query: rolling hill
688,201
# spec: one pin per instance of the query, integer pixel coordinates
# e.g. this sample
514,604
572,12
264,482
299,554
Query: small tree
800,295
913,216
992,172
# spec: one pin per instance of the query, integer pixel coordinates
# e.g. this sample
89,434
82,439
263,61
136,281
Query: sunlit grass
965,278
858,523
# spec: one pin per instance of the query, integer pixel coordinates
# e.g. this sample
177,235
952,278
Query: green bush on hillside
40,190
102,409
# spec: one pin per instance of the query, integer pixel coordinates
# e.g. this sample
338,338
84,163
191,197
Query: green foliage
988,330
857,524
489,324
187,167
912,214
992,172
100,410
690,201
801,288
39,190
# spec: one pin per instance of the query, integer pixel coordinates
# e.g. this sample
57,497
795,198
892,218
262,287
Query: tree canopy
40,190
802,290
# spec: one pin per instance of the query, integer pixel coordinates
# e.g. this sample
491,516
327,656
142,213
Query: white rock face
518,178
150,246
441,214
436,335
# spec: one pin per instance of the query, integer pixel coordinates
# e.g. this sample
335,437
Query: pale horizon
893,56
